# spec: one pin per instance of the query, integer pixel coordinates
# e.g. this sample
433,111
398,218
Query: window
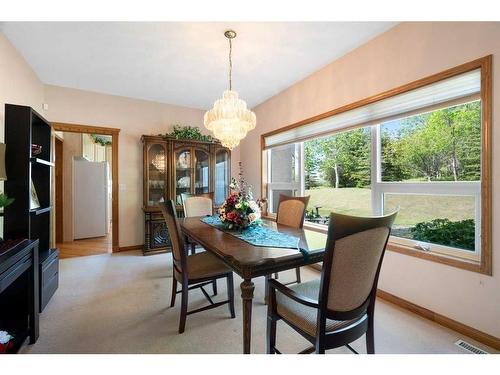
337,174
284,173
421,151
430,167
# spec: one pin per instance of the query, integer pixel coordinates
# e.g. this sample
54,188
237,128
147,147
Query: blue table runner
258,235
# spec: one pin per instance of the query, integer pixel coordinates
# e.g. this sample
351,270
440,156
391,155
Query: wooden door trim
59,207
114,132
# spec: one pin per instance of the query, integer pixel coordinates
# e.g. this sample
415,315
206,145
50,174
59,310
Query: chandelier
229,119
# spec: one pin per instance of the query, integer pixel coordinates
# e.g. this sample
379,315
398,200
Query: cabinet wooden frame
484,266
114,133
172,147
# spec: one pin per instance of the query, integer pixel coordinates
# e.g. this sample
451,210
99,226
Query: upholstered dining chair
338,308
193,271
291,212
197,205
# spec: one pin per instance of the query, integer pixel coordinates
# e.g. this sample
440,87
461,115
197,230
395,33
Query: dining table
286,248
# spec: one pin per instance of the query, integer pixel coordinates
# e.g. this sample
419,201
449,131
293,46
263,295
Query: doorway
86,189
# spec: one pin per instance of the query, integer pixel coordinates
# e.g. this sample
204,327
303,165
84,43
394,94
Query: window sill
469,265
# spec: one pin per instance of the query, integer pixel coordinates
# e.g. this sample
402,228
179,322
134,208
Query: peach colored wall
405,53
134,118
18,85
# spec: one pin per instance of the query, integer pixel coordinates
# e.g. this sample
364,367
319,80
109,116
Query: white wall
405,53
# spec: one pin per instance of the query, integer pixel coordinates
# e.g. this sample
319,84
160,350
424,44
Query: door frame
114,133
59,208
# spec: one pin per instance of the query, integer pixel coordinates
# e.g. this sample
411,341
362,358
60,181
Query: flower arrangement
240,210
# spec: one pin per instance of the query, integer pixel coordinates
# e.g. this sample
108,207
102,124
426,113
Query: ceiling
183,63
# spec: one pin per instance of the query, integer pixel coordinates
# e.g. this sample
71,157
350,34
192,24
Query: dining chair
197,205
338,308
193,271
291,212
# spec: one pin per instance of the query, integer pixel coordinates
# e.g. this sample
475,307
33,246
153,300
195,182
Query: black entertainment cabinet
19,293
26,171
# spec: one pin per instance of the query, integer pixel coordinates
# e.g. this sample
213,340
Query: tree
444,144
312,161
393,167
346,160
424,146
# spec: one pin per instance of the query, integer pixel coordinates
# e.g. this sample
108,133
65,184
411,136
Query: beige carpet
119,304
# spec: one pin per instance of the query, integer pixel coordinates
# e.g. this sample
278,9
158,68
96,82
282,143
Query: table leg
266,289
247,288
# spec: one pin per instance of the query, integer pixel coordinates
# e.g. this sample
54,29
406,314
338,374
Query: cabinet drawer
48,290
49,270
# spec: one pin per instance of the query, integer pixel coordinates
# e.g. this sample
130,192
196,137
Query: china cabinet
175,166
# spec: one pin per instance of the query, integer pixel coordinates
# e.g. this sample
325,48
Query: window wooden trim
485,65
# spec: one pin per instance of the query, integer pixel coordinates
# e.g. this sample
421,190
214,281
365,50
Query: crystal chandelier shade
230,120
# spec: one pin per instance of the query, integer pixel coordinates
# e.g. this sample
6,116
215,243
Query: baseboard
130,248
461,328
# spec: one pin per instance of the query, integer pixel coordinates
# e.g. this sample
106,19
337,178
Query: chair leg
370,338
320,350
184,305
214,287
297,273
230,294
174,292
271,336
276,275
266,288
193,248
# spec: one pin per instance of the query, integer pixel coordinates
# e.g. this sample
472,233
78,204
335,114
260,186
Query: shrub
446,232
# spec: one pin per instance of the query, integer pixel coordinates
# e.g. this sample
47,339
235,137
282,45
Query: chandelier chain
230,64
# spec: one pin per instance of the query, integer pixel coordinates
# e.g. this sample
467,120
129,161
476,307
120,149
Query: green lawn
353,201
413,208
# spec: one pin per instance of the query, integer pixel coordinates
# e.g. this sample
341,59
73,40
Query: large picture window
423,152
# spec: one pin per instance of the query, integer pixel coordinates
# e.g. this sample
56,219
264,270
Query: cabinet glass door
182,174
156,174
221,176
201,178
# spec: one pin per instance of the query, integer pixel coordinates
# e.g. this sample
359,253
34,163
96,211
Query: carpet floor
119,303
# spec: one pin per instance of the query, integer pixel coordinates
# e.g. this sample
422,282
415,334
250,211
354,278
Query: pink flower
231,216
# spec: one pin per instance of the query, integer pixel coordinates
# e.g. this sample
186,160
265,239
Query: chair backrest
291,210
177,239
354,252
197,205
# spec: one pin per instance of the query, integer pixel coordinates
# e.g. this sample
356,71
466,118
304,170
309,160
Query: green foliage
188,132
445,232
101,140
393,167
443,145
312,162
346,158
5,200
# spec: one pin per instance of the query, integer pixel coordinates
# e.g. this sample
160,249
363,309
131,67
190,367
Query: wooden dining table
251,261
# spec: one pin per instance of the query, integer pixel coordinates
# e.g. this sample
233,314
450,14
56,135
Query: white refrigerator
91,198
